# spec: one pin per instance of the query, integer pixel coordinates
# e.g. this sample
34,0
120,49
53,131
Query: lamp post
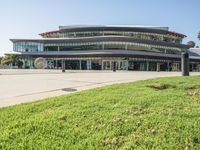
185,64
114,66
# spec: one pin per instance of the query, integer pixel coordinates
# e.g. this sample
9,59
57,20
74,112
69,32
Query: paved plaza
19,86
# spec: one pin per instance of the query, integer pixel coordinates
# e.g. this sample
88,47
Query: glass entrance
137,66
72,64
109,64
96,64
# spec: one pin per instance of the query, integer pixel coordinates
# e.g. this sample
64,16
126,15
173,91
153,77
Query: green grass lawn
159,114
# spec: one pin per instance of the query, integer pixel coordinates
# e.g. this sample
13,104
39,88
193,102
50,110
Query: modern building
194,54
100,47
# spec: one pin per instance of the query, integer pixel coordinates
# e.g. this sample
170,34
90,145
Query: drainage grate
69,90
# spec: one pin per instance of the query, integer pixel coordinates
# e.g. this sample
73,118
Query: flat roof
125,26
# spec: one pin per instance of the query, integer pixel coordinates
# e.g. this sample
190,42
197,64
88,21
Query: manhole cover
69,89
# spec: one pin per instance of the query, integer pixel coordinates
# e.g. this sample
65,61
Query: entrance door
84,64
96,64
109,64
175,67
137,66
72,64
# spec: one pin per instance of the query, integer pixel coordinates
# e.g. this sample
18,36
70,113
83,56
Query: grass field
159,114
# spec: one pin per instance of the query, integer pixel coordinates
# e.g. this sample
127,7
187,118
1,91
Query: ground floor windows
195,67
152,66
119,64
96,64
137,66
109,63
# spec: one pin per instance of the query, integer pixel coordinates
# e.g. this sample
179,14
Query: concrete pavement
19,86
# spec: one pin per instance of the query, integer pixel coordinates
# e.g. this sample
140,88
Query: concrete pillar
88,64
127,63
147,66
126,47
158,67
56,63
57,59
168,66
63,65
101,64
185,64
103,46
192,65
80,65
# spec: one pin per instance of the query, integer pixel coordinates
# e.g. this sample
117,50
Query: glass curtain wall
137,35
111,46
28,47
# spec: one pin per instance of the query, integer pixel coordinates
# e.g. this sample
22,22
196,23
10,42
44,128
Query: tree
19,64
11,59
1,59
199,35
191,43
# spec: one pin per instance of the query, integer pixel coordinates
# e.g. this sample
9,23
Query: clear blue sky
27,18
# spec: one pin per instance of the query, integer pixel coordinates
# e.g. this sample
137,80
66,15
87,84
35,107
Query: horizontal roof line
128,26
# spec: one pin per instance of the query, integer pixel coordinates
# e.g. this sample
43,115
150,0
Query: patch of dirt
159,86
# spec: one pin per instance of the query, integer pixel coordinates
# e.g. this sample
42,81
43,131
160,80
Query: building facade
100,47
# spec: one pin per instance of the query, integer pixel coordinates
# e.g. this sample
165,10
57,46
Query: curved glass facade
110,46
136,35
101,48
28,46
40,47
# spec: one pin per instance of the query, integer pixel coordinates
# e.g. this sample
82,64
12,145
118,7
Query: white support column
80,65
158,67
147,65
29,60
57,58
110,65
192,66
56,63
101,64
103,46
88,64
168,66
126,47
127,63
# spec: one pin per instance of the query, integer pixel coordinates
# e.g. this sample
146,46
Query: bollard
185,64
63,66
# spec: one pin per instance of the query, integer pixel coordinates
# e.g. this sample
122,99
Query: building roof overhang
126,28
107,53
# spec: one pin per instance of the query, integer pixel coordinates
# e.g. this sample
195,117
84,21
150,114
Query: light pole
185,64
114,66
